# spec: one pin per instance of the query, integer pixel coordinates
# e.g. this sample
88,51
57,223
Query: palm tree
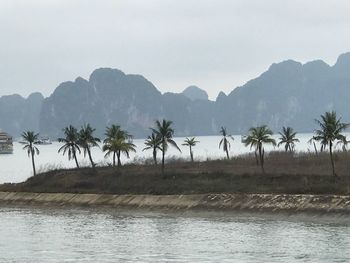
31,139
344,144
114,134
71,145
191,142
288,138
153,142
257,137
118,145
87,140
330,132
225,142
164,131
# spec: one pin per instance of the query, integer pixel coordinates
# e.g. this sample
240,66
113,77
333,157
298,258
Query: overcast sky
214,44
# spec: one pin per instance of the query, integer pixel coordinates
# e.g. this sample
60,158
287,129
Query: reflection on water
85,235
17,167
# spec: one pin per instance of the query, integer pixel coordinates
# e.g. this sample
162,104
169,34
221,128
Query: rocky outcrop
195,93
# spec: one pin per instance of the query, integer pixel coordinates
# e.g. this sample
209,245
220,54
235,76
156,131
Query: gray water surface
109,235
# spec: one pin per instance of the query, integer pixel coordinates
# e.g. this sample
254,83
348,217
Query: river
101,235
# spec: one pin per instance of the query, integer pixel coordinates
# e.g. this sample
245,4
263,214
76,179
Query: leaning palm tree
87,141
288,139
257,137
114,133
330,131
70,145
164,131
118,145
191,142
30,138
153,142
225,142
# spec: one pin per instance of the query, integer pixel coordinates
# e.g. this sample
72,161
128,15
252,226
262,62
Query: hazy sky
215,44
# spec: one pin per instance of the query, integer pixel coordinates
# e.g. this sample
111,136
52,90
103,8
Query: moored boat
6,143
44,141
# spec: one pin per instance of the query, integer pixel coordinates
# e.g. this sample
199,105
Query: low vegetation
260,172
284,173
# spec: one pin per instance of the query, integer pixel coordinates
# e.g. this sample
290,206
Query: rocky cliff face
288,93
110,96
18,114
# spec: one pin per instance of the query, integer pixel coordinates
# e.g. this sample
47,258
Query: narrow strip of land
247,202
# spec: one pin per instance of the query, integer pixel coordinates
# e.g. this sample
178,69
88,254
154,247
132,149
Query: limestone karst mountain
288,93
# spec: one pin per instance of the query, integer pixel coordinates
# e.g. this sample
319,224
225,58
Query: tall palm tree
71,143
191,142
87,140
118,145
225,142
330,131
257,137
288,139
114,133
153,142
30,138
164,131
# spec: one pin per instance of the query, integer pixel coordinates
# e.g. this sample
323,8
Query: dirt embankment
246,202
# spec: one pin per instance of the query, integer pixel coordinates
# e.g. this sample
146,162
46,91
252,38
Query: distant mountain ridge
288,93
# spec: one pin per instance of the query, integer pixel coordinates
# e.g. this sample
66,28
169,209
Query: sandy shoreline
246,202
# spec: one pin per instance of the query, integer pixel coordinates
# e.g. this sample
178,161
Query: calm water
17,167
88,235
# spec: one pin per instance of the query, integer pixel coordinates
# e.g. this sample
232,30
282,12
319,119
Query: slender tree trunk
228,157
75,158
155,156
315,148
119,162
331,156
191,153
256,158
163,157
33,163
113,159
261,159
91,161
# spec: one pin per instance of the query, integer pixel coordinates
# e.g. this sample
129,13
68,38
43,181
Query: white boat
6,143
44,141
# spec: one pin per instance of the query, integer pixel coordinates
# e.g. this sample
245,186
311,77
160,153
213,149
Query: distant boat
6,143
44,141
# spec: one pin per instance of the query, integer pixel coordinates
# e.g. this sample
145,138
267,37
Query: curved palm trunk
91,161
118,157
331,156
75,158
315,148
227,155
155,156
191,153
33,163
